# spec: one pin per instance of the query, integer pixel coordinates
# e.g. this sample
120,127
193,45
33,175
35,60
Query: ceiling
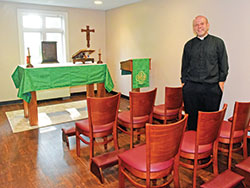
88,4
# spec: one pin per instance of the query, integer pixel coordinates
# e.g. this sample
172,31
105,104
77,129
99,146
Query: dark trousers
200,97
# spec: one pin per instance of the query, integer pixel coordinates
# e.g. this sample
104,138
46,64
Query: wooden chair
101,123
157,159
235,132
133,122
172,108
203,143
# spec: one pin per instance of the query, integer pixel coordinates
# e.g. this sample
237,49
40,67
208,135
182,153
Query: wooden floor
39,159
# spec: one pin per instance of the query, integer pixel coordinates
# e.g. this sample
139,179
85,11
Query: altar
42,77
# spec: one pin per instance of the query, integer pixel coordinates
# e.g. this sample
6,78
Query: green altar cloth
47,77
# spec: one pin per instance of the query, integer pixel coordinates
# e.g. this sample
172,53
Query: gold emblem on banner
141,77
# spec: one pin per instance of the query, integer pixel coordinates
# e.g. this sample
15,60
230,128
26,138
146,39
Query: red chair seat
226,130
226,179
244,165
125,117
188,144
136,158
84,126
159,110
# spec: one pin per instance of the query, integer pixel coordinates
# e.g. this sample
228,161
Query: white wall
160,28
9,48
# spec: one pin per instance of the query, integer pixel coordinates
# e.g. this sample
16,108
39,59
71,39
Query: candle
28,51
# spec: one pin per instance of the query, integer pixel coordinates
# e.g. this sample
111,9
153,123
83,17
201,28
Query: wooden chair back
173,97
103,110
173,101
142,103
171,110
241,116
163,140
208,126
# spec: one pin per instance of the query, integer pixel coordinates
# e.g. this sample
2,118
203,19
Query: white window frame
43,13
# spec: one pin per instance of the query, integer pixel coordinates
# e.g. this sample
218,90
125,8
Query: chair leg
121,176
65,138
115,139
245,155
195,172
230,155
131,139
215,159
153,181
165,121
77,143
91,148
176,174
105,145
138,135
97,171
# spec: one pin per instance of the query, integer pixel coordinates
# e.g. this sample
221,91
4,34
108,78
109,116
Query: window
36,26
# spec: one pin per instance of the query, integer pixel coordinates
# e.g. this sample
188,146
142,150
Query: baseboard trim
122,95
18,101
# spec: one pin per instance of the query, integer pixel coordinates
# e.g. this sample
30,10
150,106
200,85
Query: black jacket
204,61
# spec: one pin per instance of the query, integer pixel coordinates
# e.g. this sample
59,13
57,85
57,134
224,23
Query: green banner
140,73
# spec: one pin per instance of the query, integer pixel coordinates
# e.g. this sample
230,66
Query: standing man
204,71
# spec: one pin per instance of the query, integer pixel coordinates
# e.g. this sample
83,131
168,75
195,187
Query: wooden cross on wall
87,30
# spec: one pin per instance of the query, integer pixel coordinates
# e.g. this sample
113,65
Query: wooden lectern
128,66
